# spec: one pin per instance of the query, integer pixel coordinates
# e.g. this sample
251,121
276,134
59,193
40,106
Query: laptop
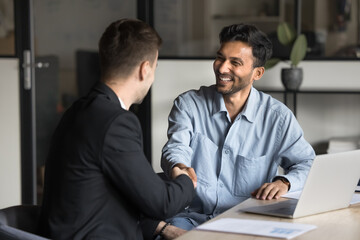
330,185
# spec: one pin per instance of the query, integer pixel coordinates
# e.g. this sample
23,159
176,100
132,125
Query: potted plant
291,77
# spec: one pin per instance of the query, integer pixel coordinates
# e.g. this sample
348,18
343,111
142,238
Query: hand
180,168
272,190
170,232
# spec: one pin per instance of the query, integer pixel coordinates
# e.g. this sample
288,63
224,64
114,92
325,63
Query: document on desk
296,195
256,227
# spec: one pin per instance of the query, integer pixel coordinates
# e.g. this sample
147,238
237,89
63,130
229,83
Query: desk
340,224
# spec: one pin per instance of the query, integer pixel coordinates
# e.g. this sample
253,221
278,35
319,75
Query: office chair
20,222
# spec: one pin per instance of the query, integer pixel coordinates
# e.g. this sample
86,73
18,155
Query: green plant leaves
272,62
285,33
298,51
287,36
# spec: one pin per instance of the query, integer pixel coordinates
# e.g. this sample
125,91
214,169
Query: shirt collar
122,104
249,110
218,102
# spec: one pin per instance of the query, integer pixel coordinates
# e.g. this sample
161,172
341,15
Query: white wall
321,116
10,181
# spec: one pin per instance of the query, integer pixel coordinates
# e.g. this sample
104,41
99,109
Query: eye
235,63
219,58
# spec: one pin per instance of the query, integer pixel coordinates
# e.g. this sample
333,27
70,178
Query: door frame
24,40
145,12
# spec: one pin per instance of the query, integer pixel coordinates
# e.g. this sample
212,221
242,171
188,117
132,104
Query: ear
144,70
258,72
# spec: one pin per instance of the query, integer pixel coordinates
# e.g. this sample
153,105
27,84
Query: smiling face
233,68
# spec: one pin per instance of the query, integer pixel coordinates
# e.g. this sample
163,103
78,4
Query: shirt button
221,185
227,151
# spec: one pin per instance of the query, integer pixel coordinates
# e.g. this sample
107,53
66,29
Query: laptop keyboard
286,210
283,208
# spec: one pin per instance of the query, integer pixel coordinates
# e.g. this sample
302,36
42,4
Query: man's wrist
284,180
159,227
180,165
161,233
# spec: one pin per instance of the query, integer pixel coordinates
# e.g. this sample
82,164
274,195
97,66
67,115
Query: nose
223,66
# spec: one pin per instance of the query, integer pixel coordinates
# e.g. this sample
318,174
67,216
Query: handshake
180,168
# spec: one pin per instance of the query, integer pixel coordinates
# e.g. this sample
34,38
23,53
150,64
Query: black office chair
20,223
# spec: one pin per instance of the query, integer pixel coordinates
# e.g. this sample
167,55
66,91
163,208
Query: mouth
224,78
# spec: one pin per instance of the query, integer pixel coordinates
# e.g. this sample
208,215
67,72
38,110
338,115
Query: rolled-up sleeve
180,131
295,153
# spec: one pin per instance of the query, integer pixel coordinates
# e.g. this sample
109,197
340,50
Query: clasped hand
180,168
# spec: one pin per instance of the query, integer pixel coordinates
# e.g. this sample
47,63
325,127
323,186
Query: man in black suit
98,183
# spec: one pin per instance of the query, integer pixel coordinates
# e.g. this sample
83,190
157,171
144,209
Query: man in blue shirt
234,136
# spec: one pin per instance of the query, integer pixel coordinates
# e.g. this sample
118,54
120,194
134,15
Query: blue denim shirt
233,159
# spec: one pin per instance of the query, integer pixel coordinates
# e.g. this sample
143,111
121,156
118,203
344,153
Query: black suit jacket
97,180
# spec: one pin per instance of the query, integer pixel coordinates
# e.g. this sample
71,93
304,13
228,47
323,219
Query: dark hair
125,44
257,40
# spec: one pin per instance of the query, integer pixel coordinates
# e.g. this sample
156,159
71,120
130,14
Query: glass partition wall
190,28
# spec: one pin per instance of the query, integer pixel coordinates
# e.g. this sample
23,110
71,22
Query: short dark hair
125,44
257,40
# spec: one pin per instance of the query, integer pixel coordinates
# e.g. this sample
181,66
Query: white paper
296,195
355,199
256,227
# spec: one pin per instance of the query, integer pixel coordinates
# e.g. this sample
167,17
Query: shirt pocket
249,174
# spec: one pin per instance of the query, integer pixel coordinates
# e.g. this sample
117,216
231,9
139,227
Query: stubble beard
242,84
234,88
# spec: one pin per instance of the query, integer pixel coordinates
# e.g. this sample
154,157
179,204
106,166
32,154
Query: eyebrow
231,58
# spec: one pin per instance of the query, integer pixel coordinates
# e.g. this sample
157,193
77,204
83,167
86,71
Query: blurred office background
66,34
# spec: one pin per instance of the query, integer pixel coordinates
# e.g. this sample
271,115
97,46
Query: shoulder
197,96
123,132
202,92
99,111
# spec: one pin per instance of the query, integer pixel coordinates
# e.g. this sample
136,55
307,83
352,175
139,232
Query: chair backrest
20,222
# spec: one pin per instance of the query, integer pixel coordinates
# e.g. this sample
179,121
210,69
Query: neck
235,102
122,90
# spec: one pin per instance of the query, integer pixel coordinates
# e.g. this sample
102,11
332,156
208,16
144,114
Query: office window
190,28
332,28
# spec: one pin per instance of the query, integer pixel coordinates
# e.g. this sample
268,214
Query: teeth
225,79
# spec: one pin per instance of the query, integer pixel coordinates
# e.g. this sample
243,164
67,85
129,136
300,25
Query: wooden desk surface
343,224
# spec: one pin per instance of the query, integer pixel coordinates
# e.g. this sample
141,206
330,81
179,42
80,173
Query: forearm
297,174
177,149
167,231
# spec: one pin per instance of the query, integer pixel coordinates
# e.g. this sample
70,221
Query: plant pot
291,78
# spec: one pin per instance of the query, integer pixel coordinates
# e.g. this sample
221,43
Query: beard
232,90
237,85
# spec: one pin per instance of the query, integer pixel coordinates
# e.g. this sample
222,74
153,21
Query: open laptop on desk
329,186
